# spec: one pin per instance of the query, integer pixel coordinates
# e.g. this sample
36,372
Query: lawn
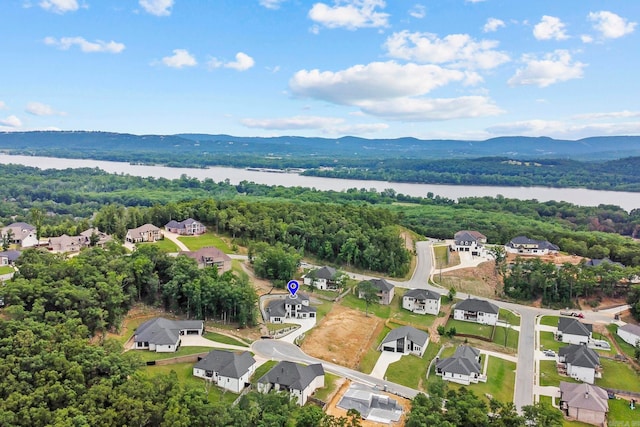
618,375
146,355
549,320
165,245
184,372
381,311
411,371
620,414
548,342
370,358
6,269
509,317
129,327
501,380
330,385
397,312
506,335
626,348
263,369
208,239
549,374
225,339
470,328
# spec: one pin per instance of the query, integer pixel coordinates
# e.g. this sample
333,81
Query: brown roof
207,252
584,396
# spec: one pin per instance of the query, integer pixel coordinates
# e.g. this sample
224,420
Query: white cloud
377,80
157,7
181,58
271,4
586,38
610,25
418,11
459,50
59,6
242,63
609,115
86,46
564,128
553,68
327,125
492,25
11,121
425,109
40,109
550,28
350,14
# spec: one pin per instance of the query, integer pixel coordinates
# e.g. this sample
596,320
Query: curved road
525,372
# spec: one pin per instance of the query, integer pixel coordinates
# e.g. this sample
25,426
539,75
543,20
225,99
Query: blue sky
461,69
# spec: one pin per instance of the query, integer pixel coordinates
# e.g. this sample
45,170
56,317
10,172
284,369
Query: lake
578,196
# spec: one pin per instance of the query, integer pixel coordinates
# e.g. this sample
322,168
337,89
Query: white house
226,369
323,278
462,368
299,380
405,339
290,307
582,363
476,310
572,331
21,234
629,333
469,241
421,301
523,245
163,335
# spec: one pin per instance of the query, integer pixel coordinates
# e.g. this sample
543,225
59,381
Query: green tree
368,293
542,414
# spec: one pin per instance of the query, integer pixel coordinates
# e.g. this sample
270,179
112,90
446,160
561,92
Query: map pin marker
293,288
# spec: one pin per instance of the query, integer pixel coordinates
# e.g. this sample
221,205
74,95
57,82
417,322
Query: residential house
573,331
469,241
163,335
405,339
323,278
581,362
629,333
226,369
372,405
476,310
522,245
9,257
144,233
298,380
463,367
421,301
65,243
584,402
384,290
102,238
596,262
188,227
290,307
210,256
20,233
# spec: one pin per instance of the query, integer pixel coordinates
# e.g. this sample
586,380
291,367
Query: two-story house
188,227
20,233
323,278
523,245
384,291
290,307
144,233
421,301
581,362
210,256
298,380
469,241
476,310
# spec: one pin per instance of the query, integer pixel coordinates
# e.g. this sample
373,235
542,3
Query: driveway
174,238
200,341
305,326
386,358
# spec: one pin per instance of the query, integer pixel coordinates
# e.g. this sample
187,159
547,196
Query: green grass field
330,385
549,374
510,317
470,328
421,321
208,239
506,335
369,359
165,245
411,371
548,342
549,320
263,369
626,348
146,355
6,269
620,414
381,311
501,380
213,336
184,372
618,375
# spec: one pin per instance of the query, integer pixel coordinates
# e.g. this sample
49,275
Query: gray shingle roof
584,396
161,331
580,355
370,404
412,334
277,308
541,244
568,325
480,305
292,375
326,272
11,255
381,284
227,363
463,362
633,329
422,294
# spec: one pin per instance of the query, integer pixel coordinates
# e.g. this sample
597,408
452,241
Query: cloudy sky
463,69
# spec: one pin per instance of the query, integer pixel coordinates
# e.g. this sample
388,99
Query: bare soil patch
481,280
557,259
342,336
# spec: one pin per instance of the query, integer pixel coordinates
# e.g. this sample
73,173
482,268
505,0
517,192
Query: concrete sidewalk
386,358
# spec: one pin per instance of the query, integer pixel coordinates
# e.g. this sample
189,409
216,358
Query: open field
506,337
470,328
444,257
342,336
410,370
481,280
208,239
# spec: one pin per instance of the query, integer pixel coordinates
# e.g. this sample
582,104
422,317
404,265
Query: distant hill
122,146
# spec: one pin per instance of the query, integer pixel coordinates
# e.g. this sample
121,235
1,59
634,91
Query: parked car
549,353
572,314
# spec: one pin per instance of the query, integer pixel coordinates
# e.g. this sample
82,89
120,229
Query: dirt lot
481,280
557,259
342,336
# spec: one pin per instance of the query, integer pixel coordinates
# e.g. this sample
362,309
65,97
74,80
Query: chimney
586,394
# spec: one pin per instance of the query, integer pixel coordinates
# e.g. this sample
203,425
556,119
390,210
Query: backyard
501,380
208,239
165,245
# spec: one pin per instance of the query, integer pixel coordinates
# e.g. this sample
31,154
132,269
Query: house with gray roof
9,257
188,227
289,307
421,301
469,241
226,369
405,339
144,233
463,367
372,405
581,362
629,333
476,310
523,245
210,256
324,278
299,380
20,233
584,402
163,335
384,290
572,331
